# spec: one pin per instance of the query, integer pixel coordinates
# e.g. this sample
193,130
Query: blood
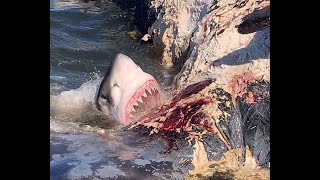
191,89
182,114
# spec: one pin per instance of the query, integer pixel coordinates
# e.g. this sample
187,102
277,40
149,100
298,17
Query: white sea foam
75,103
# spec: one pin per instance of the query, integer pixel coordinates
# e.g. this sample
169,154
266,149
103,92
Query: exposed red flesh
192,89
182,114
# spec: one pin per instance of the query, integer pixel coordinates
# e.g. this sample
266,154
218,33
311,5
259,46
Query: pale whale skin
126,91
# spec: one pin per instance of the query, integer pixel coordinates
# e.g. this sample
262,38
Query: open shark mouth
126,91
144,99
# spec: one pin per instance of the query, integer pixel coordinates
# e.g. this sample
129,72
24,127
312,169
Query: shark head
126,91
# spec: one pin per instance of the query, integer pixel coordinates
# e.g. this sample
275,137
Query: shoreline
229,43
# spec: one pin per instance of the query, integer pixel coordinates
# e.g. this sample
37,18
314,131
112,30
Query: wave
75,103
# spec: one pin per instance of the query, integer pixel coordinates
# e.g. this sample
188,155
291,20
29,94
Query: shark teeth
131,109
154,90
144,94
149,91
140,100
135,104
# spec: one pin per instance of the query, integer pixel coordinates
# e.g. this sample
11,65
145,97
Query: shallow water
83,41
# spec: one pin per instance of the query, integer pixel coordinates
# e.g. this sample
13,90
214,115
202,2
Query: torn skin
129,98
182,114
239,87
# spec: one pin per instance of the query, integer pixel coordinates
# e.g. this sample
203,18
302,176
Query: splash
75,103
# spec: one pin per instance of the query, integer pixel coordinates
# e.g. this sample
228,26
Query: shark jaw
126,91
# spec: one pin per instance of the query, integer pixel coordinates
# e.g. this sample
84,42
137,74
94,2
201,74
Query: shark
127,92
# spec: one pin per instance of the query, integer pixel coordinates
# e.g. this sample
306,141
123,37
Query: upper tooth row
144,94
151,90
140,99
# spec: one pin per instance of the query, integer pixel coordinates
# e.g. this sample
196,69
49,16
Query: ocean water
83,40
